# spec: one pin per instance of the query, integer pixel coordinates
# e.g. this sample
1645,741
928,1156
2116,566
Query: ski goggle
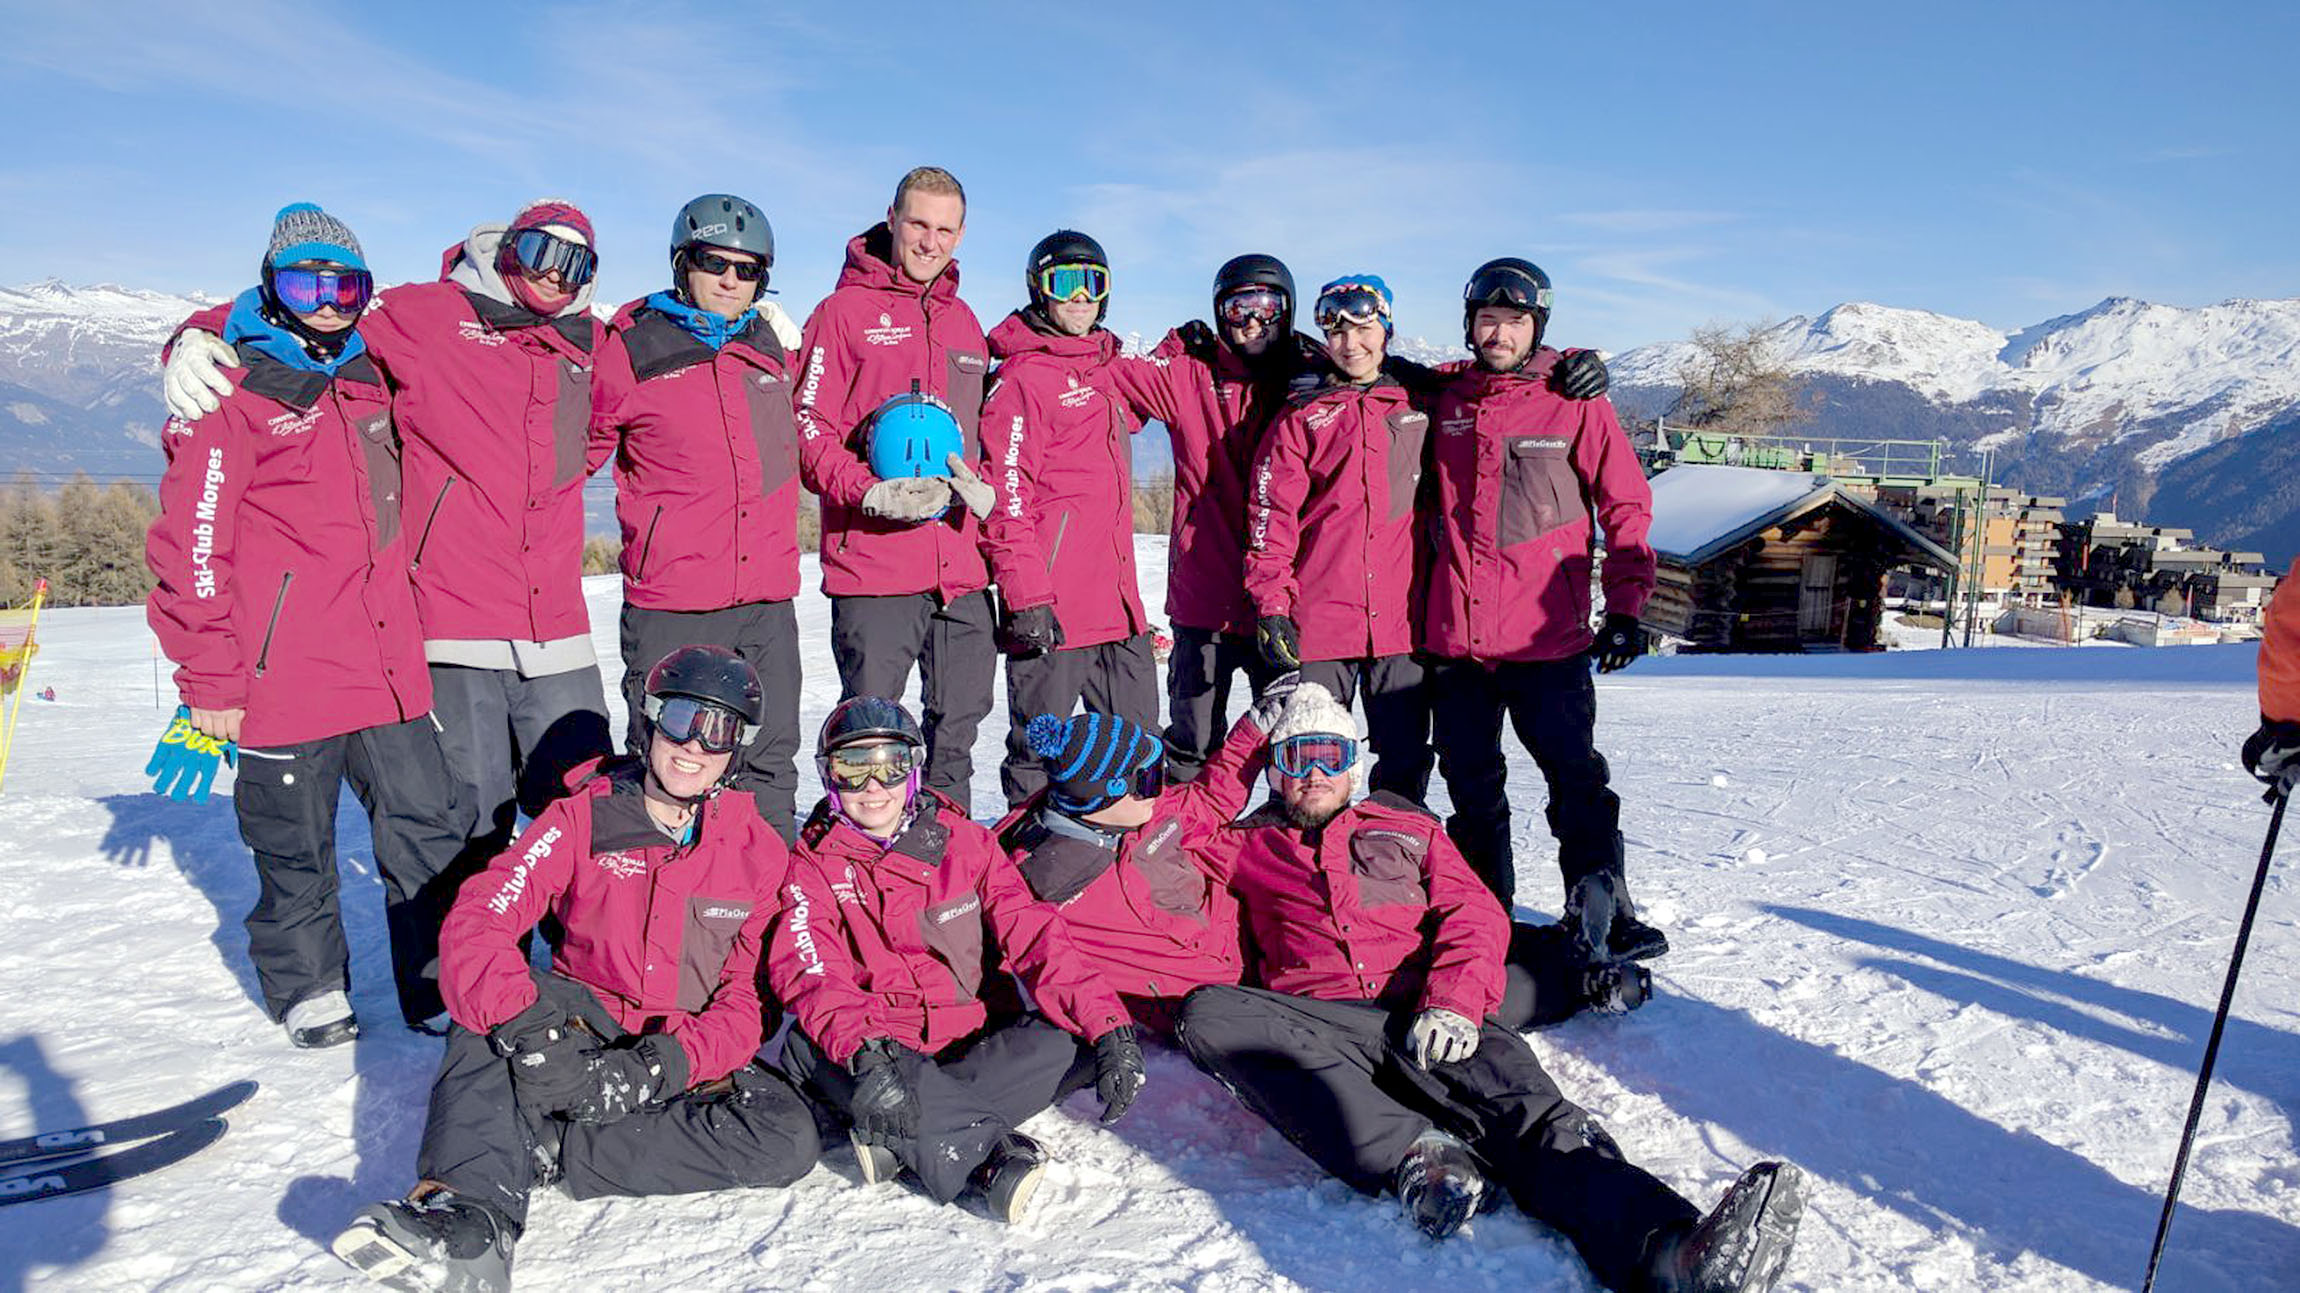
306,291
1074,282
1254,305
1351,305
1506,285
1299,756
851,767
684,719
711,262
1149,781
541,252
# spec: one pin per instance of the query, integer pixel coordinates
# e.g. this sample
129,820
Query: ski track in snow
1947,937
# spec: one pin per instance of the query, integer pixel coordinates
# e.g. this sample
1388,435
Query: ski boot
877,1162
432,1241
1742,1246
1604,923
321,1021
1618,988
1439,1184
1010,1176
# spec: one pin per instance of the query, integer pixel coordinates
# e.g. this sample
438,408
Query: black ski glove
1619,642
549,1056
630,1075
1031,631
1580,375
885,1106
1280,641
1118,1071
2273,753
1198,341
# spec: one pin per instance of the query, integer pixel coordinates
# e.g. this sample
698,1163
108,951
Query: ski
56,1180
95,1136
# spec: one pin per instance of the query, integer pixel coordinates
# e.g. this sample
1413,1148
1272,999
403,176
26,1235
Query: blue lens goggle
306,290
1299,756
1074,282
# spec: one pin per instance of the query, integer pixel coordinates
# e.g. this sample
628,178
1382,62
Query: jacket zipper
423,541
1061,528
647,548
279,599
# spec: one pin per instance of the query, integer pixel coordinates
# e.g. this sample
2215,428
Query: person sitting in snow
628,1068
1380,951
897,918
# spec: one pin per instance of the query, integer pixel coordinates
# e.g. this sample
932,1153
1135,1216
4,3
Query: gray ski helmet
1256,269
720,220
867,718
1508,281
714,675
1064,247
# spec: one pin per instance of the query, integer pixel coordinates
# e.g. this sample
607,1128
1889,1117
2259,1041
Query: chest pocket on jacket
1388,864
963,373
773,430
1539,491
709,939
570,420
1409,431
379,448
1176,885
952,931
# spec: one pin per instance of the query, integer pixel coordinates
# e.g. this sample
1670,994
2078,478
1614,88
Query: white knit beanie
1313,709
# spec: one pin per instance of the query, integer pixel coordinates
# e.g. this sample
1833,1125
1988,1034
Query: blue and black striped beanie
1089,758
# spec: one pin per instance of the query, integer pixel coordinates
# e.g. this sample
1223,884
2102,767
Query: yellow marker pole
23,675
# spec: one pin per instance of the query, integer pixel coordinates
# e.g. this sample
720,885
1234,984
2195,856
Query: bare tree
1738,381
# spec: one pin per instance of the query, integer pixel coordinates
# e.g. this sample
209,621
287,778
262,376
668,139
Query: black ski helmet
715,676
1508,281
719,220
867,718
1064,247
1256,269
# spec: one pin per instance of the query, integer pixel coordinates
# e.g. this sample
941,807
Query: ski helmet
713,675
1519,284
913,434
867,718
719,220
1066,247
1255,269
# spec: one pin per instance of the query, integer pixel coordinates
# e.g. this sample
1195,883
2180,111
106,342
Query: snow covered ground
1949,927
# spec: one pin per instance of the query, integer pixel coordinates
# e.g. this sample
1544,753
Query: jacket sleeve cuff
671,1054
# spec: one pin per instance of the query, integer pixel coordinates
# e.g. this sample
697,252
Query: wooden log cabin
1755,560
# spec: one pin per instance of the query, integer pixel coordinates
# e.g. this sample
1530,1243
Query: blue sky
1669,164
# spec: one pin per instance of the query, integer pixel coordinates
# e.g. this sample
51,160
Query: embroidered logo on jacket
516,883
287,424
724,911
802,930
204,526
887,333
622,866
1077,396
972,904
1318,417
474,330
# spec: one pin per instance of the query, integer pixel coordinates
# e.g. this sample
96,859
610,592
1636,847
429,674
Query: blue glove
183,764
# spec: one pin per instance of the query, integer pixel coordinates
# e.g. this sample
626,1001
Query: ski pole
2279,797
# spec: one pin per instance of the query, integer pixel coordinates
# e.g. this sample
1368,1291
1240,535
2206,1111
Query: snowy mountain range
2182,416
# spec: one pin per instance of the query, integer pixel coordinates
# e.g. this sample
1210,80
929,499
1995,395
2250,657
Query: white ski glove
779,321
971,489
909,499
194,381
1439,1036
1272,701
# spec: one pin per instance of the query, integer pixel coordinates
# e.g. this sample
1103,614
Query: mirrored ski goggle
851,767
711,262
1298,756
1074,282
1353,306
683,719
541,252
1506,285
1254,305
306,290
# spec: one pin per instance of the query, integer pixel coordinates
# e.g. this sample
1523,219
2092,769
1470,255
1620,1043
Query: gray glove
971,489
194,382
1439,1036
909,499
1272,701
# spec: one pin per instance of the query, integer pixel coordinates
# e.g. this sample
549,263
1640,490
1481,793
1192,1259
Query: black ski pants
767,635
511,741
1335,1078
1198,674
1113,678
970,1094
285,798
1397,716
1552,704
876,640
746,1130
1544,981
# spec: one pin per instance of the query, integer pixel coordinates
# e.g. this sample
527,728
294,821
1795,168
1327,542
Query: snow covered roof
1701,510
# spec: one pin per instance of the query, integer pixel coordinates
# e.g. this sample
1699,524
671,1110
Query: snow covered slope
1949,927
79,377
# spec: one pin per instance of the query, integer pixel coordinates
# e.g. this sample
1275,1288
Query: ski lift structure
19,642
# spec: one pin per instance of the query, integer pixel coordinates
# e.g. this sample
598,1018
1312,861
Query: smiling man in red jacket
1061,537
901,559
693,402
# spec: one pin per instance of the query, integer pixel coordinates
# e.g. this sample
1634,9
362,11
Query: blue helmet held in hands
912,434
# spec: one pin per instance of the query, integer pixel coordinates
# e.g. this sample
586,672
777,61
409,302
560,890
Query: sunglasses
542,252
305,291
1355,306
711,262
1254,305
1074,282
684,720
852,767
1299,756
